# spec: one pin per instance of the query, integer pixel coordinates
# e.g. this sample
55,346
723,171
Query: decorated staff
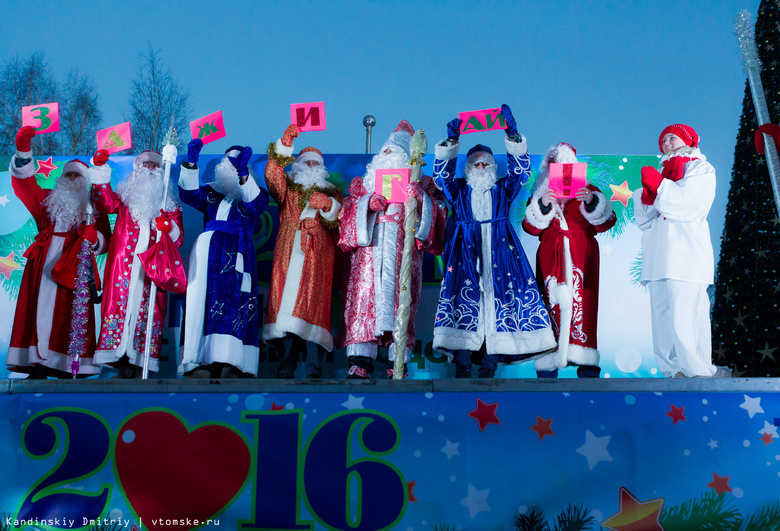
50,296
222,318
372,233
765,142
489,300
129,302
419,147
297,319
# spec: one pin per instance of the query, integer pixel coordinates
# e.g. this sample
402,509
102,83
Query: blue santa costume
222,319
488,295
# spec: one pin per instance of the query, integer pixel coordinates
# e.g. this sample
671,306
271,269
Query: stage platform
384,454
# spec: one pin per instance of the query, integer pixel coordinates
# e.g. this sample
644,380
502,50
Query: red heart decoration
167,472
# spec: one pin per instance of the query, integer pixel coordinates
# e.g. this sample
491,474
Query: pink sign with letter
44,118
308,116
567,179
116,138
209,128
392,184
484,120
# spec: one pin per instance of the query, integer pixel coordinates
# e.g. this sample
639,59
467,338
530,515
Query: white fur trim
534,216
188,178
333,213
579,355
24,154
281,149
249,190
444,152
518,149
147,156
423,228
364,221
100,174
310,155
601,213
22,172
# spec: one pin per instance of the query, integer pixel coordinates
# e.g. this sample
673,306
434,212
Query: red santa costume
124,311
44,310
372,232
299,299
567,265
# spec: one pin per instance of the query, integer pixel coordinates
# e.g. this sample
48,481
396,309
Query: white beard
67,203
383,161
226,180
308,177
142,191
481,180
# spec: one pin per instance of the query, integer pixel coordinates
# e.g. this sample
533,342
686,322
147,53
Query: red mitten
23,138
100,157
290,134
377,203
164,222
674,168
89,233
651,179
319,201
772,130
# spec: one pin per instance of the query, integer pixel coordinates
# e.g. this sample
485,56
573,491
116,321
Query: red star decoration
8,265
635,515
45,167
767,438
274,407
720,484
485,414
621,193
542,427
410,488
449,269
676,414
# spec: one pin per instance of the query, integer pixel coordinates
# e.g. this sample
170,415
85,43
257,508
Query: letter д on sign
308,116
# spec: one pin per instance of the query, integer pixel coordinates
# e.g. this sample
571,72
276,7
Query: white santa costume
677,258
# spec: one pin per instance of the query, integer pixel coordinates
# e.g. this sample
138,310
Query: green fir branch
711,511
533,520
635,271
575,518
442,526
767,519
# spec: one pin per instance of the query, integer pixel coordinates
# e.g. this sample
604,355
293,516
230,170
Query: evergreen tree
746,309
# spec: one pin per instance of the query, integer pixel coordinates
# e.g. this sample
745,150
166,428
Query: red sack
163,265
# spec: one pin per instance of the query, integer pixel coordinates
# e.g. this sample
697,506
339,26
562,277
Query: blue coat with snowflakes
222,317
488,293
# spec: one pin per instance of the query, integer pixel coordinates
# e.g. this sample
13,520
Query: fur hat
147,156
310,153
480,153
400,138
684,132
76,166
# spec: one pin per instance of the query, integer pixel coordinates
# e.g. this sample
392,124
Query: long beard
309,176
142,192
481,180
383,161
226,180
67,203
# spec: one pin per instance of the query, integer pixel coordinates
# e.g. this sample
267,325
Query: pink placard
308,116
484,120
116,138
392,184
209,128
567,179
44,118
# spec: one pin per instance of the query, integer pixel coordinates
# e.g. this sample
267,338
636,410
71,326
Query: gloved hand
414,189
453,129
651,179
193,150
377,203
23,138
100,157
674,168
511,124
548,197
319,201
89,233
290,134
241,162
164,222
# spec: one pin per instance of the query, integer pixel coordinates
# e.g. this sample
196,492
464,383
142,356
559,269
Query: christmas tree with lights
746,309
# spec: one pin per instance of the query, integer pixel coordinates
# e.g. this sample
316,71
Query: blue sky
604,76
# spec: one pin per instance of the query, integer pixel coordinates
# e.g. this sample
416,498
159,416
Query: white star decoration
595,449
771,429
752,405
354,402
3,200
451,449
713,444
476,501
